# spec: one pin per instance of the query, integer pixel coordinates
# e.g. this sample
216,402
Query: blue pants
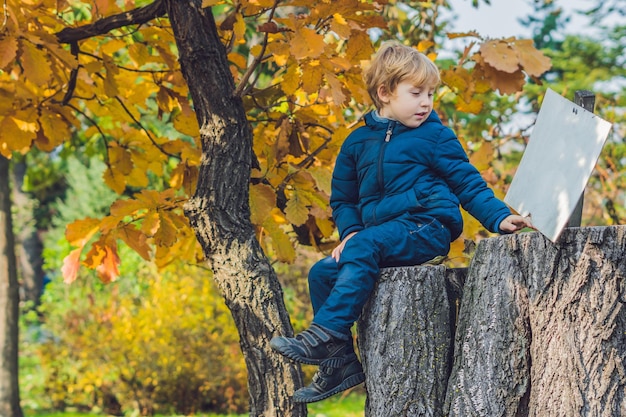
339,290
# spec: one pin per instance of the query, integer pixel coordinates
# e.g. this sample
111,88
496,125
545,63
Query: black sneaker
313,346
330,380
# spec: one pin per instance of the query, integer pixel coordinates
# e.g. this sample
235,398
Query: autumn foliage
105,74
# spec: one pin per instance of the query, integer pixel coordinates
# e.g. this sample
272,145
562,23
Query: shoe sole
349,382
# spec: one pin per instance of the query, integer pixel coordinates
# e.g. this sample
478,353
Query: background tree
9,300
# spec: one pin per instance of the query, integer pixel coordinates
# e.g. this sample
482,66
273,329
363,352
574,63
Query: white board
562,151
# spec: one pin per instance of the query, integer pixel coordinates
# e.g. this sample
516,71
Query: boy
396,189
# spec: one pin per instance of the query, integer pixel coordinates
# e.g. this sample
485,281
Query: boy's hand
337,251
513,223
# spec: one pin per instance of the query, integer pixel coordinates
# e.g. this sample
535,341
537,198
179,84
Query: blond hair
395,63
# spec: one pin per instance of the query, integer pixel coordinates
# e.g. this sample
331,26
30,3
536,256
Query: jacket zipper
381,155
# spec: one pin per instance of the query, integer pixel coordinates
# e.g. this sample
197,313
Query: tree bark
543,327
405,338
9,301
220,214
541,331
28,244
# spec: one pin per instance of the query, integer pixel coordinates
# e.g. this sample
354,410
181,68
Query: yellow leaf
291,79
238,59
187,123
139,53
165,100
240,27
108,270
136,239
281,243
151,223
79,232
297,210
127,207
120,159
166,234
280,52
481,159
532,60
177,176
500,55
457,78
326,226
110,84
262,202
336,88
35,63
340,26
323,178
8,51
306,43
359,47
311,77
424,45
115,180
112,47
474,106
138,177
55,128
210,3
456,35
13,137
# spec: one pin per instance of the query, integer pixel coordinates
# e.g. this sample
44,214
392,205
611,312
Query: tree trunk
9,300
28,244
220,214
541,331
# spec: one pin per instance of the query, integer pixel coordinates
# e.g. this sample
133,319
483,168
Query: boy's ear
383,94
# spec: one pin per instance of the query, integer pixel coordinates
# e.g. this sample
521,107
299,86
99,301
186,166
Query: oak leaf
340,26
312,74
262,200
306,43
481,159
500,55
166,234
8,51
54,127
474,106
108,270
268,27
297,210
13,137
35,63
79,232
71,265
532,60
136,240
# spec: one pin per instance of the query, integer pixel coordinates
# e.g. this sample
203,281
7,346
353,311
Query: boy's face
408,104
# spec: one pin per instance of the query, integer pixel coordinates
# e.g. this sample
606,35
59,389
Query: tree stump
541,331
405,339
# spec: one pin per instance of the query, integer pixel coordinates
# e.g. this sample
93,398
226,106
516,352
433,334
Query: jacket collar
374,122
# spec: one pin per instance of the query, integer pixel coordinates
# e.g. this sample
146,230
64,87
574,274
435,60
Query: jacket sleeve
345,194
452,164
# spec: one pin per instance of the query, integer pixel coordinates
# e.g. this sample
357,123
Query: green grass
350,404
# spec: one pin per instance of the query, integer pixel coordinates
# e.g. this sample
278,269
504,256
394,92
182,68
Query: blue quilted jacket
385,169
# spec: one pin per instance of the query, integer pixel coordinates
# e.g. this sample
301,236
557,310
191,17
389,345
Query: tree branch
102,26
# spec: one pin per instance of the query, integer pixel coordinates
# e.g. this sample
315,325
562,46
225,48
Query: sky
500,19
